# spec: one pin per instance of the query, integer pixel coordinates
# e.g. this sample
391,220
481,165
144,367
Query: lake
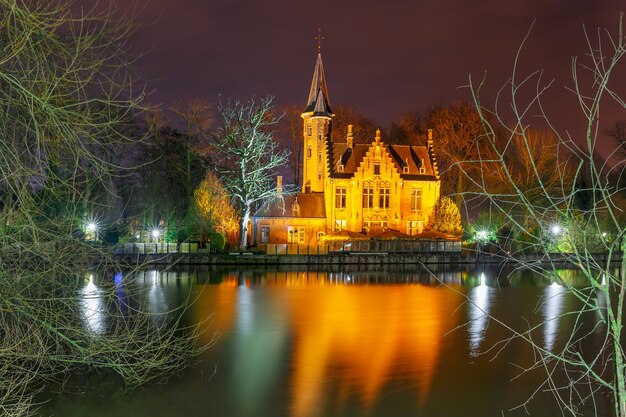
322,343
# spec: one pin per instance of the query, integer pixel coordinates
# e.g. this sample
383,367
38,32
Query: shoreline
353,258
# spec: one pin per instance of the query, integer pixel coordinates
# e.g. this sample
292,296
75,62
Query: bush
218,241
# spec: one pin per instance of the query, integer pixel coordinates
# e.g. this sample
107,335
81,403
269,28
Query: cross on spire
319,38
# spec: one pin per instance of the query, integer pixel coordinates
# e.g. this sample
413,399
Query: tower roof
318,101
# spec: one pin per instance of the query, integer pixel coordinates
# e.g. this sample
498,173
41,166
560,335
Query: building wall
279,229
355,214
314,161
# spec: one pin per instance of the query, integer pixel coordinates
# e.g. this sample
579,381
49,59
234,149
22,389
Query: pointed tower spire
318,91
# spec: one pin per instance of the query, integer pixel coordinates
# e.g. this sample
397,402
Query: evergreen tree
446,218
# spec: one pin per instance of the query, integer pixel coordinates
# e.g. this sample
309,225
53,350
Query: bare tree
363,128
66,98
549,204
618,133
458,138
247,156
291,134
196,114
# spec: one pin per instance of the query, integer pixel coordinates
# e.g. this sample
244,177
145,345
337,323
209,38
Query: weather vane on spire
319,38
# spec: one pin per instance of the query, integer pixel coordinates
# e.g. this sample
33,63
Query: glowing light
92,308
556,229
552,308
155,233
603,234
482,235
91,227
480,302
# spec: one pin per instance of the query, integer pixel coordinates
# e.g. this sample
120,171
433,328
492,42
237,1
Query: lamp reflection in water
552,308
479,305
92,308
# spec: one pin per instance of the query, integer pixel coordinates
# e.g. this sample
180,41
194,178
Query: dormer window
405,169
422,170
339,167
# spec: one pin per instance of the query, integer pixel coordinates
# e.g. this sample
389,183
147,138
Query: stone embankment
352,258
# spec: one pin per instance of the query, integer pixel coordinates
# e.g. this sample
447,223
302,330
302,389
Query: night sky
384,58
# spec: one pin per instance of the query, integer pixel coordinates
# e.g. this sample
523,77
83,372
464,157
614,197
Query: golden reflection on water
349,340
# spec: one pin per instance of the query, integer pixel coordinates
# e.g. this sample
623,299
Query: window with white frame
416,199
340,224
340,197
265,234
414,227
368,197
383,197
295,234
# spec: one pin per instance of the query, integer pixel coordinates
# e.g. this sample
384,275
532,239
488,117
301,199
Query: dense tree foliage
446,218
214,211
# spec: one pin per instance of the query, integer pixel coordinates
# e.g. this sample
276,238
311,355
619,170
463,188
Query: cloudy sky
383,58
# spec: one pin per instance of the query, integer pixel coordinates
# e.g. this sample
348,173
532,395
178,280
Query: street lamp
155,234
481,236
91,230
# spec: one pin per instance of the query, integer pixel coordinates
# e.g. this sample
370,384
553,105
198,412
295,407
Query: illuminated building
364,188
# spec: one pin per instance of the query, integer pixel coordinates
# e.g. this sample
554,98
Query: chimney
279,185
350,138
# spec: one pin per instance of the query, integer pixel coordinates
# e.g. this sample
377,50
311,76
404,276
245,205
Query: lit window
295,234
340,197
416,199
309,130
411,227
383,200
339,168
340,225
265,234
368,197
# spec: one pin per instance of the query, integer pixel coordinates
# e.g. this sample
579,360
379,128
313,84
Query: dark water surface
345,343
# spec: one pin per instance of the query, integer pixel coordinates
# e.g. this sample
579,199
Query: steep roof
318,101
411,156
309,205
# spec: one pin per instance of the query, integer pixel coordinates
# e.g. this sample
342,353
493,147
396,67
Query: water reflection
92,306
363,336
338,329
479,305
553,307
312,343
